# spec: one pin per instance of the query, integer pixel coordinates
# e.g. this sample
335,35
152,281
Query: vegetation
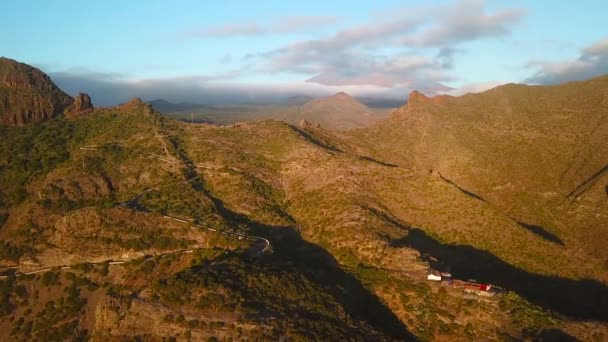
353,219
28,152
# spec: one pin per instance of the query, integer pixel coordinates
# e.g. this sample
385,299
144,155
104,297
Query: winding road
265,248
130,203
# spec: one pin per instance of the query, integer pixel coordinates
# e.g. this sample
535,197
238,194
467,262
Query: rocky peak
306,124
27,95
136,104
342,94
416,99
82,105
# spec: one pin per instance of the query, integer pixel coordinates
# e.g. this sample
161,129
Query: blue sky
195,50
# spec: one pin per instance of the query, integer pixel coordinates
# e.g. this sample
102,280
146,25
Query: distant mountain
298,99
340,111
28,95
165,106
374,102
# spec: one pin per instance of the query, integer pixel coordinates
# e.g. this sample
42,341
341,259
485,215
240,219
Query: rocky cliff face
82,105
28,95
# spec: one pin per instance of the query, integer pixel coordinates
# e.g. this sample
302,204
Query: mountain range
120,223
338,112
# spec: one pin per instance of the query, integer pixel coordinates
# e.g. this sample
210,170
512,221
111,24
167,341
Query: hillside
28,95
535,152
144,227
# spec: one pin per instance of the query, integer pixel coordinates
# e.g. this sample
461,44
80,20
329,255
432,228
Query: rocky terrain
507,187
27,95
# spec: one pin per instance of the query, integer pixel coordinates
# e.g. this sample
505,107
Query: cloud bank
592,61
351,57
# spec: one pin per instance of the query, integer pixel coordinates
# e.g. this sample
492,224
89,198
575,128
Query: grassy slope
522,149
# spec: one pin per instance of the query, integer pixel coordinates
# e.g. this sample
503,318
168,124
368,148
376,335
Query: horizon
198,53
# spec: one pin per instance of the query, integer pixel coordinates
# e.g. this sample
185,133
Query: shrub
50,278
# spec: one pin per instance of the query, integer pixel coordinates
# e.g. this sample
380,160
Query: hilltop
154,226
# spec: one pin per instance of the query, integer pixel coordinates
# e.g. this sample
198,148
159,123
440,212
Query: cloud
109,90
289,24
591,62
392,54
464,21
472,88
353,56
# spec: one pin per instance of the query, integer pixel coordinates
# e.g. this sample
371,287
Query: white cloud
351,56
472,88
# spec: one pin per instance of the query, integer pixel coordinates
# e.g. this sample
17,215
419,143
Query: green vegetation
234,284
58,321
12,252
6,289
530,317
27,152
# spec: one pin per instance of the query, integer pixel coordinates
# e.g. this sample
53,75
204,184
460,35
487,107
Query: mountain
340,112
27,95
535,153
374,102
298,99
138,226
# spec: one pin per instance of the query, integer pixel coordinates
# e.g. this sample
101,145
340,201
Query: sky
259,51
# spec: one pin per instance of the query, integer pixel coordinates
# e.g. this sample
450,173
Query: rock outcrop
136,104
416,99
27,95
305,124
82,105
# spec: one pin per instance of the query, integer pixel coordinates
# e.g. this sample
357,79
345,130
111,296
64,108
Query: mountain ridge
27,95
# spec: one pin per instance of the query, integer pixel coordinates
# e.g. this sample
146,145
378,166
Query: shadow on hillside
314,140
580,299
312,261
540,231
378,161
585,185
322,268
464,191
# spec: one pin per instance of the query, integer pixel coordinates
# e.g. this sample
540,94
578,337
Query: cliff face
27,95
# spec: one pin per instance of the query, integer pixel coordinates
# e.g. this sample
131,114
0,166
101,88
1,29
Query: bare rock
305,124
27,95
82,105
